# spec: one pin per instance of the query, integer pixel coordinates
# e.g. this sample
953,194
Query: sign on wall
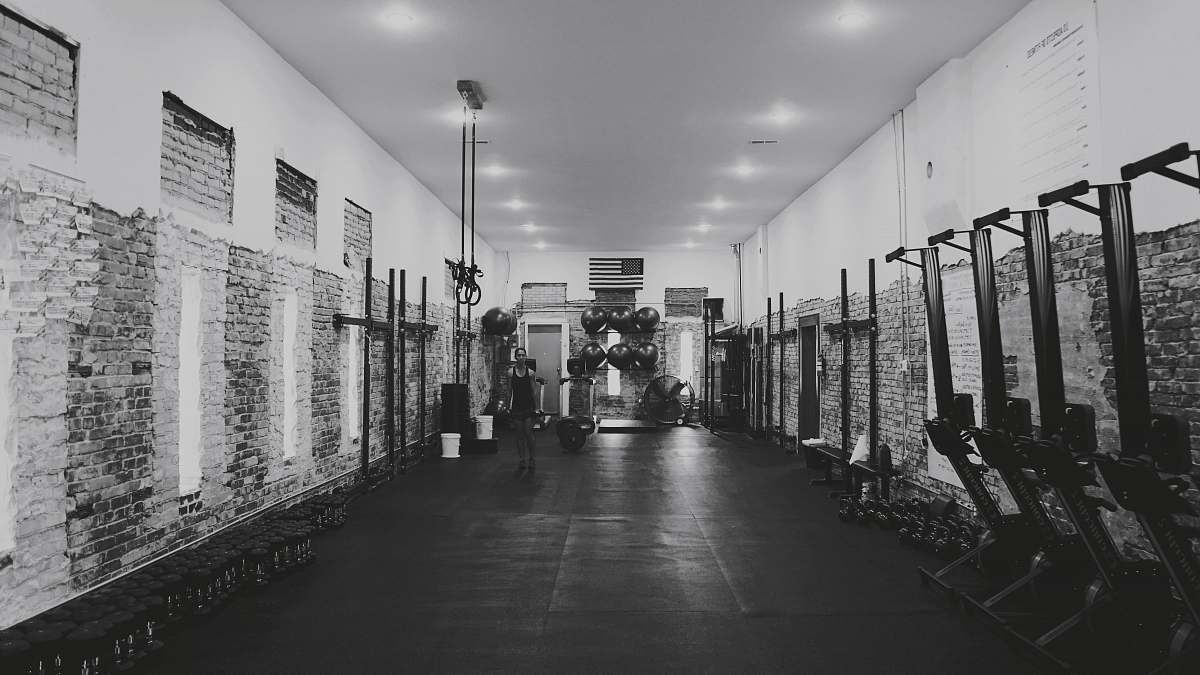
958,292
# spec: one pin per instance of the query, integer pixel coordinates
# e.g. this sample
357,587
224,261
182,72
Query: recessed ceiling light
690,244
704,226
540,245
495,170
852,19
744,169
398,18
781,114
718,204
529,227
515,204
453,115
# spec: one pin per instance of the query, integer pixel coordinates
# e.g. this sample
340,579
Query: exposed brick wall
196,166
295,206
609,297
327,368
289,276
38,87
543,295
110,470
178,248
684,302
247,372
356,235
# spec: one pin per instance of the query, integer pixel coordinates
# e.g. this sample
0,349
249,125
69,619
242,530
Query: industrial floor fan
668,400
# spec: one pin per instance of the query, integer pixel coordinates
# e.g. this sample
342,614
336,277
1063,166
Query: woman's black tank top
522,399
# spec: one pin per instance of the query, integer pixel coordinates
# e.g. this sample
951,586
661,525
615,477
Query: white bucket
450,445
483,427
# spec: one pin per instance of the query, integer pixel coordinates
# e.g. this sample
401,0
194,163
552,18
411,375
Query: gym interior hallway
671,552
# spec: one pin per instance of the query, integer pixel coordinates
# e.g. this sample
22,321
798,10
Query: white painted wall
715,269
854,212
191,385
133,50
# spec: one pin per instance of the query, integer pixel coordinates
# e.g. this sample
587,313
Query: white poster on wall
962,331
1054,86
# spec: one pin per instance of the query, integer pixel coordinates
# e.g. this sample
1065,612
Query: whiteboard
962,331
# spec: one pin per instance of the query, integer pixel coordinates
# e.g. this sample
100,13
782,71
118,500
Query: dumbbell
848,509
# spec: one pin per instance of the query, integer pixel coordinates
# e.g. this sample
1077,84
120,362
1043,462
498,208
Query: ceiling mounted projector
472,94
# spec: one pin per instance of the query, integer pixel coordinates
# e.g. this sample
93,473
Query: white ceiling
620,121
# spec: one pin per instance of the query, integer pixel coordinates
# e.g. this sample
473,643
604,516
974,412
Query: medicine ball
621,319
593,355
646,355
499,321
620,355
594,319
647,318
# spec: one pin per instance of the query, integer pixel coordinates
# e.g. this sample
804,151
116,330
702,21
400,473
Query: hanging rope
466,285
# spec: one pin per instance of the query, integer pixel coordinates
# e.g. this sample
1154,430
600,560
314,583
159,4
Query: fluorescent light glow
540,245
704,226
494,170
718,204
398,18
453,115
689,244
744,169
529,227
852,19
781,115
515,204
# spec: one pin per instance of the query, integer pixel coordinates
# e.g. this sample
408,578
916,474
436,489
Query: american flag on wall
617,273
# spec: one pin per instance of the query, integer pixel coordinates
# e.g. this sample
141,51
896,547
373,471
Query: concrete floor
668,552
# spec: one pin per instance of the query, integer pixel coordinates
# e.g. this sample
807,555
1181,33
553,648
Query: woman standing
521,404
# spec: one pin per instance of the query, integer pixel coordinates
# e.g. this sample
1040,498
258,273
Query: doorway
544,343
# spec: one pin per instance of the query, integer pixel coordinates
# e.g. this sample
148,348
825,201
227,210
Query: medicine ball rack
396,350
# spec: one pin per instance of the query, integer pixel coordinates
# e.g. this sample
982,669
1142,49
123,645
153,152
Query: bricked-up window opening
190,382
39,90
685,356
196,164
614,375
8,445
353,383
291,324
356,234
295,206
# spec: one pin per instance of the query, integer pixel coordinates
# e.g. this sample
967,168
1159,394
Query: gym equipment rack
1150,444
780,336
374,326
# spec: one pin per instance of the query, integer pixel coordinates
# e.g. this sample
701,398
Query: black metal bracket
1158,163
946,238
370,323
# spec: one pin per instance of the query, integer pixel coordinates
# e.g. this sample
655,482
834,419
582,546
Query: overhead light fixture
718,204
781,114
529,227
540,245
515,204
398,18
704,226
744,169
852,19
494,170
453,115
689,244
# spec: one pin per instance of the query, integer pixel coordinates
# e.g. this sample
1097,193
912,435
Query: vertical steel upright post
706,408
767,384
872,377
781,351
421,352
403,371
849,477
391,372
366,374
